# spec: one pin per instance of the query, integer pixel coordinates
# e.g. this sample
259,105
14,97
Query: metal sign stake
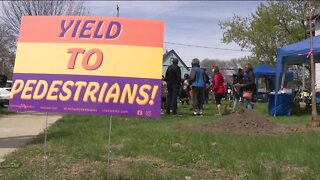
45,148
109,147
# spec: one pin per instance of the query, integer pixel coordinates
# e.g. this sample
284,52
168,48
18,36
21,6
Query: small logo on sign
139,112
148,113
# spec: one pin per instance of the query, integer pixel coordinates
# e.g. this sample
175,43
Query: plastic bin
283,106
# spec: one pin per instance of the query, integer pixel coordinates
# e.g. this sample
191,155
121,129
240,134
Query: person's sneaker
195,113
218,114
200,113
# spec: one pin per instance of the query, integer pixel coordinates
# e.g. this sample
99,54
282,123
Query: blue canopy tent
294,54
267,71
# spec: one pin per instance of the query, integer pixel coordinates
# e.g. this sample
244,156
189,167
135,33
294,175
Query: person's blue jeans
172,101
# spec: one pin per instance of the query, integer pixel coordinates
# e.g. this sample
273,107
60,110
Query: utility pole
314,122
3,67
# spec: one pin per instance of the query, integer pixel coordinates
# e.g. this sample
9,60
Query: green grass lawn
154,149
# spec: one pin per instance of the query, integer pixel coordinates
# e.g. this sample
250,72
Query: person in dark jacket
249,85
206,87
218,88
197,83
237,89
173,79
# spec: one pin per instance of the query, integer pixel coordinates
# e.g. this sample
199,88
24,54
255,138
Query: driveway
17,129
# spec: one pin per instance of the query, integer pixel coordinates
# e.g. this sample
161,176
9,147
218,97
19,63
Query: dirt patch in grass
120,168
116,146
293,171
285,171
200,172
248,123
82,168
65,167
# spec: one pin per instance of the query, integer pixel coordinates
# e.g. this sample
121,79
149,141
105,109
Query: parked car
5,94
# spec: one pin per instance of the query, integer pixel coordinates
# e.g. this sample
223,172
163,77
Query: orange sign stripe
135,32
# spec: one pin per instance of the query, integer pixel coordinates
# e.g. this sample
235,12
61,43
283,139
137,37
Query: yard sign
88,65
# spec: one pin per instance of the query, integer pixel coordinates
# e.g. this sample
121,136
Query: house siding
167,63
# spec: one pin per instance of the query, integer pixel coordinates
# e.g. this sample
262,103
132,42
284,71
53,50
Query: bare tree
14,10
7,49
6,41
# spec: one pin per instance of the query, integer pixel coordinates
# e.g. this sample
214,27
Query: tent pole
303,76
314,122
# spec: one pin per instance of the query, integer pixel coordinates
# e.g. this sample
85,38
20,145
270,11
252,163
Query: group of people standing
198,84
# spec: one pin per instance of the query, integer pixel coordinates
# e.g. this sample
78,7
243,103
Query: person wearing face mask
197,82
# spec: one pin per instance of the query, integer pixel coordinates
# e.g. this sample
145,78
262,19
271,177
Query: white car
5,94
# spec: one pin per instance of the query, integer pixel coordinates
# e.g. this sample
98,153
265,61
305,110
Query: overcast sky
186,22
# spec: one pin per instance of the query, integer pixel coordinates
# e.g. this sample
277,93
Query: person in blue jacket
197,81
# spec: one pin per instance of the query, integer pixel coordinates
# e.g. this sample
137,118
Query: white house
167,61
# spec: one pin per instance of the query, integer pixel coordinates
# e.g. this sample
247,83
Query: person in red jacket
218,88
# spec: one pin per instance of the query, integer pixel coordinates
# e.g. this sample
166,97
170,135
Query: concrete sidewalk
17,129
